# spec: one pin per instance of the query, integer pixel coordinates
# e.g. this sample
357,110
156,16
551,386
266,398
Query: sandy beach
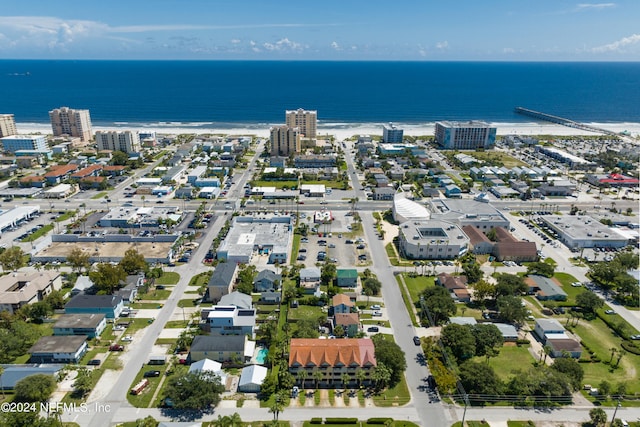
342,130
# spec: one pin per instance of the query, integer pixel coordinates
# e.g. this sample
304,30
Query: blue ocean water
350,92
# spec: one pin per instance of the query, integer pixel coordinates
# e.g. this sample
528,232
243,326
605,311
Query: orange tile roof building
333,359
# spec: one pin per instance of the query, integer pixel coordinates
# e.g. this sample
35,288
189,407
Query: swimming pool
261,357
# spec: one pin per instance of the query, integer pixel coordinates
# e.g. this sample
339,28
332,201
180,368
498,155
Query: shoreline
339,130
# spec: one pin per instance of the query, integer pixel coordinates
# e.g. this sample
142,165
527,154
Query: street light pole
615,412
464,414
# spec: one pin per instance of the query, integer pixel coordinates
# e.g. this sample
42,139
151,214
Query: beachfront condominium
285,140
465,135
126,141
391,134
66,121
305,121
7,125
13,143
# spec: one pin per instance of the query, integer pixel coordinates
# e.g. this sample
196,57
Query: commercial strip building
66,121
126,217
257,235
482,216
470,135
17,215
580,231
574,162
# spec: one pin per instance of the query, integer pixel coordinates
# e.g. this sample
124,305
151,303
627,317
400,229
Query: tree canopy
589,301
459,340
391,356
511,309
12,258
108,278
439,303
34,388
133,262
541,268
479,378
510,284
571,368
78,259
194,390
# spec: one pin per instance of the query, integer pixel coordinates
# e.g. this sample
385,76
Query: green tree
391,355
277,405
39,310
482,290
627,260
328,274
78,259
459,340
381,376
83,383
488,339
194,390
339,331
510,284
16,338
306,328
598,417
119,158
479,378
245,279
133,262
147,421
107,278
511,309
34,388
589,301
439,303
571,368
373,285
540,268
11,259
471,269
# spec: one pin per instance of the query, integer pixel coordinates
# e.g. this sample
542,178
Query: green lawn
600,339
566,280
304,312
406,299
143,399
277,184
168,278
173,324
510,359
155,294
146,305
294,248
417,285
201,279
99,195
188,302
65,216
396,396
496,156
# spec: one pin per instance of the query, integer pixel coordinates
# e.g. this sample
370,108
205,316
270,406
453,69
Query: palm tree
143,198
317,375
621,353
302,376
235,420
361,375
613,351
277,406
346,378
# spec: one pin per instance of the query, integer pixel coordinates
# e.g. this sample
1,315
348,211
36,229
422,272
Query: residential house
310,279
13,374
268,297
509,332
222,281
236,299
213,367
332,358
109,305
555,336
544,327
90,325
350,323
251,379
58,349
452,191
230,320
267,280
341,303
57,174
347,277
545,288
456,285
219,348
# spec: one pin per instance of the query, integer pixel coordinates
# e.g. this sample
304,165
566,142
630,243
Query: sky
402,30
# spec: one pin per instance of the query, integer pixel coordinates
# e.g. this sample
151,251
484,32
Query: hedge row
383,421
341,421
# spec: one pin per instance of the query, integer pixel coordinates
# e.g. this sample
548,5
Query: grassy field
99,195
417,285
168,278
396,396
566,280
277,184
407,300
295,246
495,156
155,294
304,312
600,339
65,216
143,400
38,233
200,280
510,359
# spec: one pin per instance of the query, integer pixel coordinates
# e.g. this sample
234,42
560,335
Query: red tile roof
86,171
346,319
305,352
61,170
341,299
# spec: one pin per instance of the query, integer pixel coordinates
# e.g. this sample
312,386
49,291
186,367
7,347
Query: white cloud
442,45
335,46
235,41
284,45
618,45
508,50
595,6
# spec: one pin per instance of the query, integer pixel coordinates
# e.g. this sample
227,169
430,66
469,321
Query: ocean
256,93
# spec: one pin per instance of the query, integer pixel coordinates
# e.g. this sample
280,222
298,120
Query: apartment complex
15,143
465,135
126,141
285,140
391,134
75,123
7,125
305,121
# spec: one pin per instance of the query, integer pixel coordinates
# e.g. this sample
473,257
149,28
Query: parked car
416,340
373,329
375,307
116,347
94,362
150,374
609,312
127,338
377,314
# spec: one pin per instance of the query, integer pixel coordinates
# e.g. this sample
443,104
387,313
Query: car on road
150,374
416,340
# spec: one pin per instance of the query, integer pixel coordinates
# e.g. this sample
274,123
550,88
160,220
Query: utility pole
615,412
466,402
